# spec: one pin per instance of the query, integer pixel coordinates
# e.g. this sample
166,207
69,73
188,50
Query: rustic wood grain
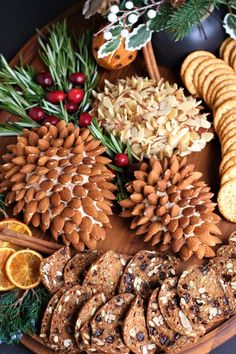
121,238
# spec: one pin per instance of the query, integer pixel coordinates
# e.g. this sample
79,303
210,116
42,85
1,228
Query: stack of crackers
113,303
214,80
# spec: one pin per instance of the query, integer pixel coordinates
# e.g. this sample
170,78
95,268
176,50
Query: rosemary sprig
20,313
2,206
114,146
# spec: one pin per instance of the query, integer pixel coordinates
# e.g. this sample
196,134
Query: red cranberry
44,79
85,119
37,114
77,78
71,107
55,96
51,119
121,160
75,95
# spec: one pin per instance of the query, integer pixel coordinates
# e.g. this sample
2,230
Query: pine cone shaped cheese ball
57,178
172,208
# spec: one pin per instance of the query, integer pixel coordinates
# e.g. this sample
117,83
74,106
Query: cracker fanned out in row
104,275
146,271
202,296
107,324
52,268
135,331
86,314
65,315
160,333
76,269
174,316
47,317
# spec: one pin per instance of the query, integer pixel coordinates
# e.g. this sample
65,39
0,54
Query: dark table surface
18,21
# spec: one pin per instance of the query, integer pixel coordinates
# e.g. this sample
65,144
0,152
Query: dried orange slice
5,284
22,269
14,225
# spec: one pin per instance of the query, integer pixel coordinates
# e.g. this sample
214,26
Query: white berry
151,13
132,18
114,9
107,35
129,5
124,32
112,17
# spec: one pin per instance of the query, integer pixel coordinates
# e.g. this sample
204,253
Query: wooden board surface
121,238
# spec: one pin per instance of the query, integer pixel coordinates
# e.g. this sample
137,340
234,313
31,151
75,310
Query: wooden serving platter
121,238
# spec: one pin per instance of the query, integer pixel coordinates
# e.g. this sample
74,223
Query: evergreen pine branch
20,313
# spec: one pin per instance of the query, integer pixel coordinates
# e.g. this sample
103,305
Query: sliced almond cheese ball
77,267
160,333
52,268
146,271
135,331
202,295
104,275
106,325
175,317
86,313
65,316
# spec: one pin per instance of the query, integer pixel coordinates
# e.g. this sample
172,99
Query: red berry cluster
71,99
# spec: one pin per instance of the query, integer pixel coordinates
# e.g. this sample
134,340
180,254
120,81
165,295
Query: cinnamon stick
148,62
24,243
153,61
38,241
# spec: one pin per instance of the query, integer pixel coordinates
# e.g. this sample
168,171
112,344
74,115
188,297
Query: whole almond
51,151
184,221
175,179
161,210
73,237
22,140
43,144
75,203
57,209
77,217
163,200
58,223
39,195
35,221
52,164
69,169
43,160
10,198
69,141
104,207
7,158
41,170
18,186
79,191
43,205
69,227
61,125
91,210
98,233
32,159
63,179
200,252
52,174
19,160
62,152
108,194
188,211
106,185
76,159
186,253
189,230
84,170
28,168
176,244
138,209
178,233
57,143
42,131
86,224
18,177
148,190
55,199
95,195
96,152
175,210
20,149
102,217
87,201
46,220
63,133
46,185
33,138
85,134
67,212
20,194
152,199
90,242
183,203
172,226
31,207
77,179
103,160
53,131
32,150
65,194
29,195
63,162
90,186
57,188
209,252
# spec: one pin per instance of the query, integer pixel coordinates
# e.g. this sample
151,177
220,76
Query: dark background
18,21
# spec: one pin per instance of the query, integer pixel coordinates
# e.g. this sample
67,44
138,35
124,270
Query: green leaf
109,47
230,25
115,30
138,37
